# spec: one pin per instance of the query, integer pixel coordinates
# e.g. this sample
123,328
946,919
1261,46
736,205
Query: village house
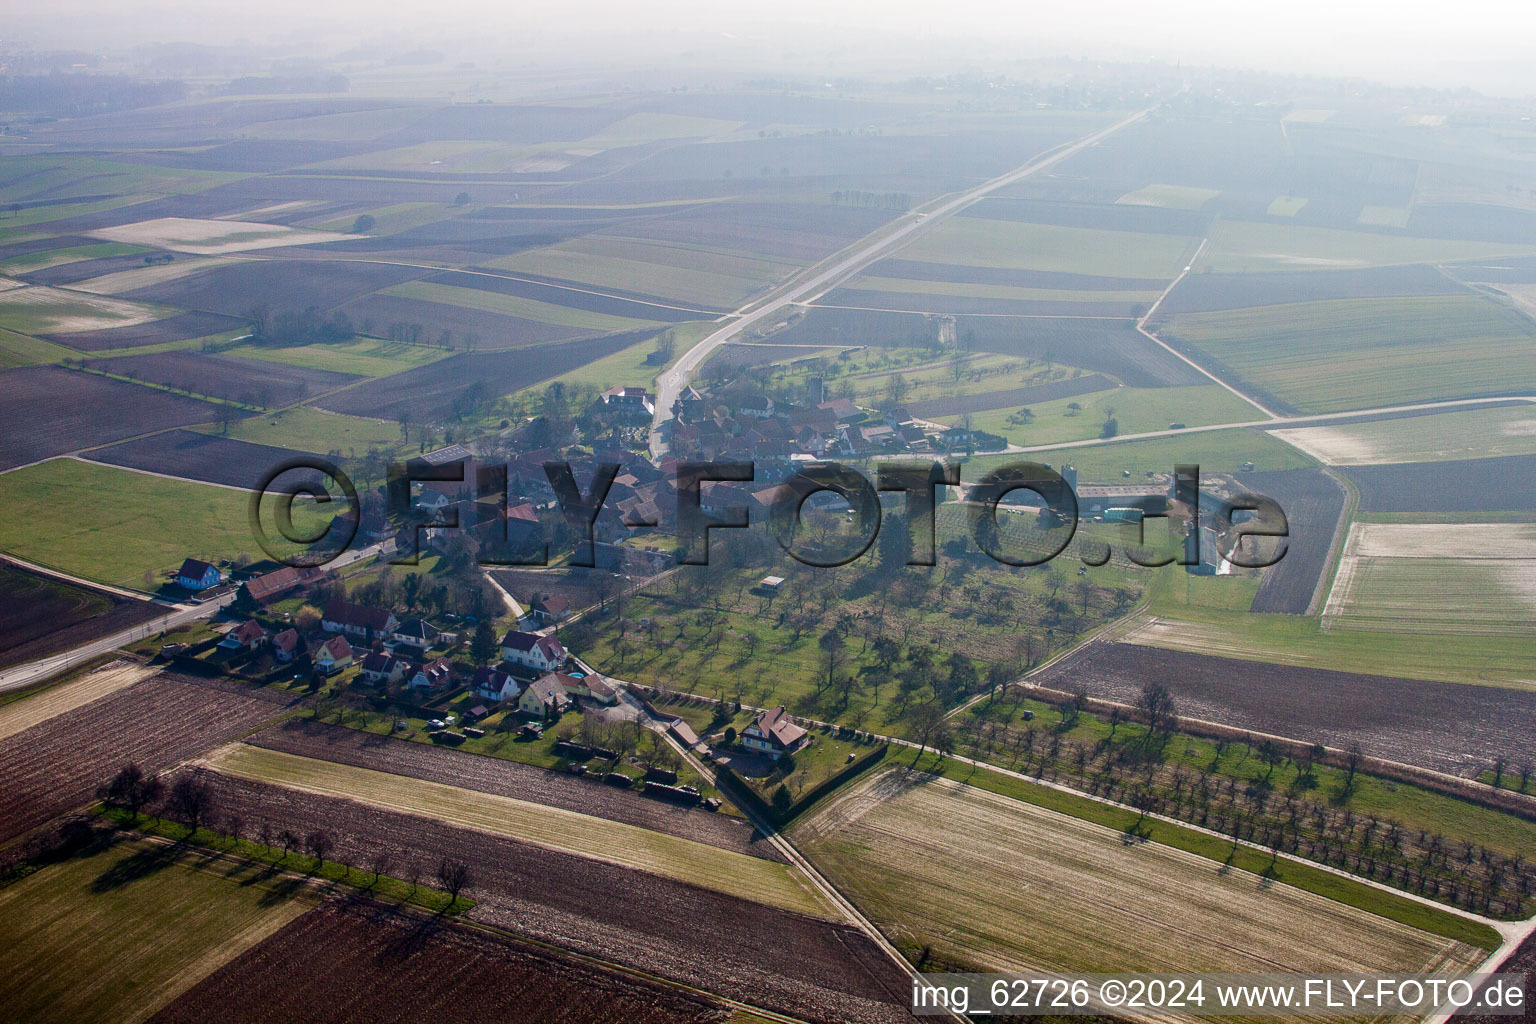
549,609
495,684
417,633
382,667
248,636
630,399
545,698
357,619
772,733
195,574
332,656
593,687
271,586
432,676
532,651
286,644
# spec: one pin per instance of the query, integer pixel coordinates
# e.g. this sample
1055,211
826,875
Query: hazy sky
1482,43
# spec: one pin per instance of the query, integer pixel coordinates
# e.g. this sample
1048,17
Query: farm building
545,698
196,574
774,734
271,586
333,656
530,650
357,619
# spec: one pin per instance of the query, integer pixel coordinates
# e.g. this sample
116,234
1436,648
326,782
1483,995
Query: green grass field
908,286
1253,247
974,241
1362,353
1214,451
114,525
1285,206
21,350
631,365
1136,410
516,306
1470,434
1173,197
370,357
394,218
112,937
314,430
69,254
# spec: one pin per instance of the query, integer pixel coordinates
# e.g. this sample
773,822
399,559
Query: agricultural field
212,237
902,844
118,282
428,970
1209,293
315,430
1247,247
22,711
506,778
366,357
167,331
203,458
229,378
232,287
43,259
103,536
1463,489
517,307
1053,420
1017,245
1440,437
56,765
1312,502
36,309
1214,451
1445,727
1362,353
114,935
43,614
551,827
51,411
1175,197
820,970
1463,578
670,272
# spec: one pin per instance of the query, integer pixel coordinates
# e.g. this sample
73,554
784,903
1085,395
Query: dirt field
212,237
1477,578
510,779
57,764
393,967
283,284
1448,727
1472,434
52,411
1008,886
205,457
802,966
22,715
567,831
1432,490
1312,502
43,615
232,378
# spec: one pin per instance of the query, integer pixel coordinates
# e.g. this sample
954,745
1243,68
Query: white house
532,651
431,676
286,644
248,636
358,619
593,686
380,667
494,684
772,733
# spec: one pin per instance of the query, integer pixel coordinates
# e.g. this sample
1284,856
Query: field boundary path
815,281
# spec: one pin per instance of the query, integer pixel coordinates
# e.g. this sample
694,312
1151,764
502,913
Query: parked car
437,723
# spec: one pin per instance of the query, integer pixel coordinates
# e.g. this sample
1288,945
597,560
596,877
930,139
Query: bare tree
320,845
191,802
380,862
131,790
1157,705
453,875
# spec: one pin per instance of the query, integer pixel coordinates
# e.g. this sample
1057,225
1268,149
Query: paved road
33,672
884,241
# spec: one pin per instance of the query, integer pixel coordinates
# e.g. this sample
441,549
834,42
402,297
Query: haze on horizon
1481,44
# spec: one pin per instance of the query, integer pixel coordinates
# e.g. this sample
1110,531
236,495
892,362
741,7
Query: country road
881,243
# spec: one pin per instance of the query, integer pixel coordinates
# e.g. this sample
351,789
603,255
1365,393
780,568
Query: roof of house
379,661
247,631
361,615
490,675
194,569
287,640
776,725
549,688
517,640
337,647
554,605
271,584
419,629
